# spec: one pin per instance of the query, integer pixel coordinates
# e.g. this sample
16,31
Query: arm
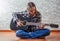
19,23
39,18
16,19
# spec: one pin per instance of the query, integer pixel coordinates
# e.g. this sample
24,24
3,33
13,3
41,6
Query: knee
18,33
47,31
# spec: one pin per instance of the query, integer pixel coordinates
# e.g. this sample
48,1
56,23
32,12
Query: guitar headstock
53,25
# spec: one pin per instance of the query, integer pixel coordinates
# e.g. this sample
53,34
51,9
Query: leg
40,33
22,34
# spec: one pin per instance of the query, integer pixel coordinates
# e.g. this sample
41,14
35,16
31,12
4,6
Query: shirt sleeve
15,17
38,15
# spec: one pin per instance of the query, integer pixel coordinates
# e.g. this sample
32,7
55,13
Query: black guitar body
13,24
22,18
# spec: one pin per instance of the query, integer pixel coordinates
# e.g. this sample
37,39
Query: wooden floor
10,36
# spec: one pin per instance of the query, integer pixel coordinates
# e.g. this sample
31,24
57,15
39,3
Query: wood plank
11,36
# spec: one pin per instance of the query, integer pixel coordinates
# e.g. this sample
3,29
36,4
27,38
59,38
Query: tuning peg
54,25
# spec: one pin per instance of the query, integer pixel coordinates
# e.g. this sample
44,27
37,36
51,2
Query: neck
32,15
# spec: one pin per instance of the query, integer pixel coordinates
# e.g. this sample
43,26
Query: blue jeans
35,34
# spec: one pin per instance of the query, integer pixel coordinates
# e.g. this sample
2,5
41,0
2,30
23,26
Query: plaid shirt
35,18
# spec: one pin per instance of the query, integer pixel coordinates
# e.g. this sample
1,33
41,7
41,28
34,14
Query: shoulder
21,12
38,13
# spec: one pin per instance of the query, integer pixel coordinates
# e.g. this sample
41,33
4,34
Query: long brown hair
30,5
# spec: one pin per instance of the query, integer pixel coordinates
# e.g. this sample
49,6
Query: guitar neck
36,24
32,23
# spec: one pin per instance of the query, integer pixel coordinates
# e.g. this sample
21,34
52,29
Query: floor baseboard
12,30
5,30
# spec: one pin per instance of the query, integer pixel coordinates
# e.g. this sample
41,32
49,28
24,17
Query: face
32,10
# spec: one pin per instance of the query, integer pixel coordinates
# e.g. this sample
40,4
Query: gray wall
50,10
